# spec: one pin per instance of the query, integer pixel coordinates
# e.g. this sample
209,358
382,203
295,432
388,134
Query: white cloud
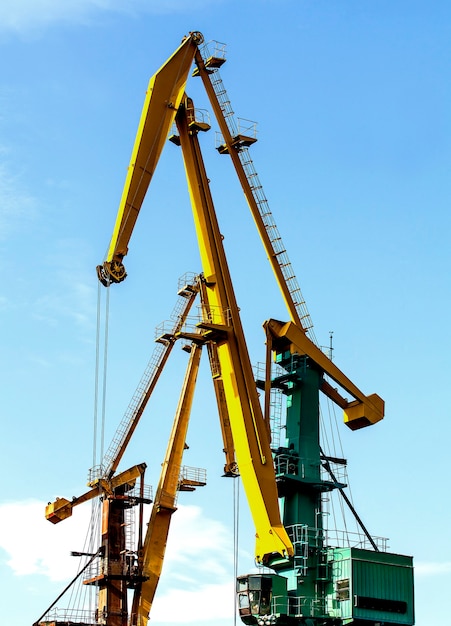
207,602
432,569
35,546
23,16
194,533
197,580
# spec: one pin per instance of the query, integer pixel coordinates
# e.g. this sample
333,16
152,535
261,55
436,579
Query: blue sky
352,101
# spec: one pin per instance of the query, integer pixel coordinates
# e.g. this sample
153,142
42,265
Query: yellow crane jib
163,96
61,508
360,412
154,546
249,432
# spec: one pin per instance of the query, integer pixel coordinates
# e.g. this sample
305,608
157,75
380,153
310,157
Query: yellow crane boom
163,96
250,434
164,505
361,412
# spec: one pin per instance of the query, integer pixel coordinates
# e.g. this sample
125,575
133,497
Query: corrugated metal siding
375,575
386,576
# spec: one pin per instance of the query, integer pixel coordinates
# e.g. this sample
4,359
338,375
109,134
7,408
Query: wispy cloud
76,304
212,538
23,16
195,605
34,545
197,570
16,204
77,301
432,569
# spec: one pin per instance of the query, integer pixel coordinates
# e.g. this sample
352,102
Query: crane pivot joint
111,272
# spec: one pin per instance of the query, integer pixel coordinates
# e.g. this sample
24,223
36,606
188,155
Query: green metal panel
373,586
298,468
279,595
340,597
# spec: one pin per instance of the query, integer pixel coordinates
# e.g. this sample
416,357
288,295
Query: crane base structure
325,583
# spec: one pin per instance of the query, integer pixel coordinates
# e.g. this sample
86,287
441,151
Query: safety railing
194,474
69,616
344,539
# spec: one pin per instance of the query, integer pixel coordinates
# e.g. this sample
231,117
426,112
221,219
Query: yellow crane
117,567
290,549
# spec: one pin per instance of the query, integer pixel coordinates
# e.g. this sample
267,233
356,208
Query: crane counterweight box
371,587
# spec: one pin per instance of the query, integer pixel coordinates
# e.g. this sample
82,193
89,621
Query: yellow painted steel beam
365,410
61,508
361,412
149,382
165,499
165,90
230,142
223,325
230,468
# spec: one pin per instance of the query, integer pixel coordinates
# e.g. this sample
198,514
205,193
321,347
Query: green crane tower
323,584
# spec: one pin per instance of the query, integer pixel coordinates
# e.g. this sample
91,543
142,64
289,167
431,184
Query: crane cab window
254,595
